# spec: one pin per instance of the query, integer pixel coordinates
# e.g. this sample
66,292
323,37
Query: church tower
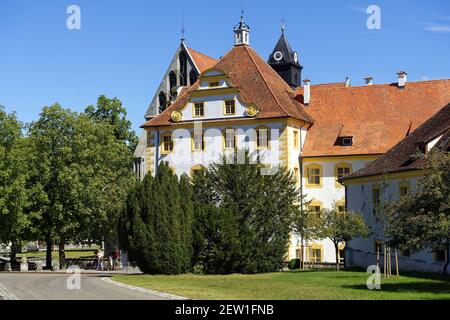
285,62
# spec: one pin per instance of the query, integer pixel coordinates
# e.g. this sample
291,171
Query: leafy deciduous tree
422,219
341,227
14,219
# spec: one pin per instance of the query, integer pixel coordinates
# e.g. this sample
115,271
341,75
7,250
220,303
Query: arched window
172,80
172,84
193,77
162,101
183,69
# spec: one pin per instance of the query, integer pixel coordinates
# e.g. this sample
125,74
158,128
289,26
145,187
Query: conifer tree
262,207
156,224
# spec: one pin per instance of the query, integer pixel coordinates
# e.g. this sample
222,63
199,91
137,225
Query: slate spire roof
285,48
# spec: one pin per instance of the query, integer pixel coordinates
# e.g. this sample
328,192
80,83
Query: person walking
116,259
99,257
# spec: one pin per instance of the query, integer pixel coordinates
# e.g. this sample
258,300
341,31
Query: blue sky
124,47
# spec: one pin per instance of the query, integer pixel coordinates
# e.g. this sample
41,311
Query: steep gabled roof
257,83
202,61
402,156
377,116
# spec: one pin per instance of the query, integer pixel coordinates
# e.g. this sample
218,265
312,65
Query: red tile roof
402,156
257,83
202,61
377,116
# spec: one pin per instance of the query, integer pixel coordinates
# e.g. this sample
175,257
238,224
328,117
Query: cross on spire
283,25
183,29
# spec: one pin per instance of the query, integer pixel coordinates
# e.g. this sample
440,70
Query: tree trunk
396,263
48,256
378,256
15,247
336,249
62,254
302,257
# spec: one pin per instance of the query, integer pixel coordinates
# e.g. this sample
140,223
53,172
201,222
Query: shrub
294,264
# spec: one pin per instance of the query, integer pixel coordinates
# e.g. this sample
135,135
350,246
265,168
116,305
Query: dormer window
347,141
213,84
230,107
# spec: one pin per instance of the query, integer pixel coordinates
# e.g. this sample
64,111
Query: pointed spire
283,58
183,29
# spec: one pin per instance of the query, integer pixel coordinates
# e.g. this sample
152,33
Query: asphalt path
16,286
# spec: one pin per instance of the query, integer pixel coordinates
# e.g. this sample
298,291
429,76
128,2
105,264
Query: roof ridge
329,86
265,81
374,86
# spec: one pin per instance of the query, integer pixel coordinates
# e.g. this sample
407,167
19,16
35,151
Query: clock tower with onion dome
285,62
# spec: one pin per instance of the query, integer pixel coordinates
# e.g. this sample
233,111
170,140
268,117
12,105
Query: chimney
369,80
347,82
306,91
402,79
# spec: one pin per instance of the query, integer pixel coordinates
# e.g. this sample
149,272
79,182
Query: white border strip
156,293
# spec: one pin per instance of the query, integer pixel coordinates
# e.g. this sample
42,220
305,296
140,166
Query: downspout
158,138
300,161
346,210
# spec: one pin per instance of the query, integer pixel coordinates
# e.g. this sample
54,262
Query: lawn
70,253
299,285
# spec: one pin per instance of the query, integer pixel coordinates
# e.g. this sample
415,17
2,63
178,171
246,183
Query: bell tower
285,61
242,33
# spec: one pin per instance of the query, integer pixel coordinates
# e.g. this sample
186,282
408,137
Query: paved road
54,287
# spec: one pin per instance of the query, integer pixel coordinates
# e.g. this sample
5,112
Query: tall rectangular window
199,110
199,143
230,139
230,107
296,140
297,177
167,145
262,138
314,175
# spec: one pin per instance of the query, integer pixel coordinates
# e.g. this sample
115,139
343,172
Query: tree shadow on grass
433,287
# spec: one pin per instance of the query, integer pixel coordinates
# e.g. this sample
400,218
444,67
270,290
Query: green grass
299,285
70,253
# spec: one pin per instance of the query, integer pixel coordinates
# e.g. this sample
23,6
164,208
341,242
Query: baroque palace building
320,132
